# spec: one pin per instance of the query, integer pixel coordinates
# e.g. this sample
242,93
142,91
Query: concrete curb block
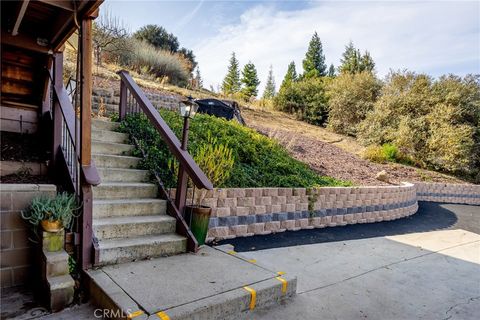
110,297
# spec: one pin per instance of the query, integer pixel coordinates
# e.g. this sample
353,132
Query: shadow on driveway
430,216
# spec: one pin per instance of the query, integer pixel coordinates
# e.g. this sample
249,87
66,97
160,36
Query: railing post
85,140
123,100
57,113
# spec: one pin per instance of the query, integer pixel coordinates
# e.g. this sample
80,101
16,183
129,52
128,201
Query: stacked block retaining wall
16,249
110,98
251,211
449,193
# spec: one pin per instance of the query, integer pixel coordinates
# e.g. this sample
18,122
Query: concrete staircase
128,219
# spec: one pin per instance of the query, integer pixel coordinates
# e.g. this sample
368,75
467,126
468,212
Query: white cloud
432,37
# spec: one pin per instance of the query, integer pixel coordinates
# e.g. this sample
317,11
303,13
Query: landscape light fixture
188,108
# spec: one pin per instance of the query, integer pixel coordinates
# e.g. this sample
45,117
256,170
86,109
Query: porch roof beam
62,4
21,14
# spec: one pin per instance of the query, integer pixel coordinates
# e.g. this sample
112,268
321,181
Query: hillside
328,153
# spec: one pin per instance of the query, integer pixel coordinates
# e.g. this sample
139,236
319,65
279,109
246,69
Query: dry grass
266,117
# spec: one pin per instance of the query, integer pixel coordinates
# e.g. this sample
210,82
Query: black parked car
220,108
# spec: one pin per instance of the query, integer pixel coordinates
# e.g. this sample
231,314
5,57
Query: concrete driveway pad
422,274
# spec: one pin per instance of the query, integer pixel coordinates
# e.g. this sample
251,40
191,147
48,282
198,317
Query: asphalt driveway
426,266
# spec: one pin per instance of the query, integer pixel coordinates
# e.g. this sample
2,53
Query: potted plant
216,161
52,214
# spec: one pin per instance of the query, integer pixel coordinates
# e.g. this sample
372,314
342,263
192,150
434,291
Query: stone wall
450,193
110,98
251,211
16,249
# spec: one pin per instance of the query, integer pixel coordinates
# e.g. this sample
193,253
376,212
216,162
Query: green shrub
305,98
433,123
259,161
374,153
145,58
351,97
390,152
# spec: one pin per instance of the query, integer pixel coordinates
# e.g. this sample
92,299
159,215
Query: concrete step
109,136
123,175
98,124
127,227
122,190
111,148
162,287
115,251
128,207
113,161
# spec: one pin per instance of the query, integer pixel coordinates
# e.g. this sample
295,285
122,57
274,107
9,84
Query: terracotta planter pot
198,218
51,226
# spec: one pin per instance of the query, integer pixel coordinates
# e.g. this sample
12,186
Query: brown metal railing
66,165
133,100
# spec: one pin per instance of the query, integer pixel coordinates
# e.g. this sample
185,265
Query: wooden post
57,113
86,140
182,181
122,107
86,93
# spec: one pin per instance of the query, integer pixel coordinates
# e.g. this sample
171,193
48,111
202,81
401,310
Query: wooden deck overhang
31,32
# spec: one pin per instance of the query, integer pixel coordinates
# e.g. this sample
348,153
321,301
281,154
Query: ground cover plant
258,160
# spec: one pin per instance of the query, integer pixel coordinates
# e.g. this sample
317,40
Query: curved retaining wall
450,193
247,212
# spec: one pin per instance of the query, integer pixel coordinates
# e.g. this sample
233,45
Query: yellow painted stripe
135,314
252,261
280,273
232,252
253,297
284,284
162,315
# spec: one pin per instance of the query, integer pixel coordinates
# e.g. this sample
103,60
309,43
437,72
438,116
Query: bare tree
109,36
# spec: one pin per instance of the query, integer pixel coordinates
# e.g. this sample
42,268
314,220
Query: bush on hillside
258,160
305,98
145,58
351,97
436,123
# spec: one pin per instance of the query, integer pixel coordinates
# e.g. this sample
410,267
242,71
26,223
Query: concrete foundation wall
246,212
16,249
450,193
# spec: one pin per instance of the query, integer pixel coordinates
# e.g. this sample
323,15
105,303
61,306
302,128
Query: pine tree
354,62
331,71
366,62
350,59
250,81
198,79
231,84
291,75
314,62
269,92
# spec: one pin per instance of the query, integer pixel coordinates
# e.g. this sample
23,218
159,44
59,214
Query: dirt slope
332,154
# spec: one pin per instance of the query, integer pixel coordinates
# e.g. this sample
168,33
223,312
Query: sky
434,37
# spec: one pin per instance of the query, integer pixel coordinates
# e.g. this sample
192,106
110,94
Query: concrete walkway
432,272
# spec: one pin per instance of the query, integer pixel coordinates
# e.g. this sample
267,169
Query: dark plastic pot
198,218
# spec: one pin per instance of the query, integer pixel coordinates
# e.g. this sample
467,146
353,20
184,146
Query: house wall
15,249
